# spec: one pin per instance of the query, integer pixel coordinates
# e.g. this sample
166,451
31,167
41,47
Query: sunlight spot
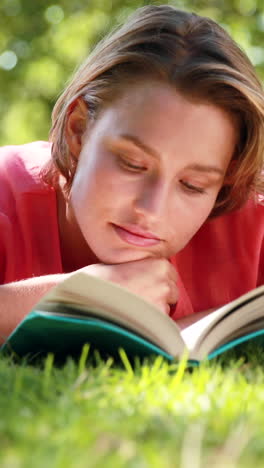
54,14
8,60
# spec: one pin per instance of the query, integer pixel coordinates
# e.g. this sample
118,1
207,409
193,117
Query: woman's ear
76,124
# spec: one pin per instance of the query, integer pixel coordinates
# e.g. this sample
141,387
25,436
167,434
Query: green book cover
62,335
40,332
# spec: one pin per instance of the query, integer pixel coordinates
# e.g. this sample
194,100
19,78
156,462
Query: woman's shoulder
24,158
28,214
239,227
251,212
20,172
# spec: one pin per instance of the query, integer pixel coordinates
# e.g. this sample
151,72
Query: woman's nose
152,199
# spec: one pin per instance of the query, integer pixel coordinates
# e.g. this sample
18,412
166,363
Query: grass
95,413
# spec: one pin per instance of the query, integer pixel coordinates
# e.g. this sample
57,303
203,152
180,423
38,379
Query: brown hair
198,58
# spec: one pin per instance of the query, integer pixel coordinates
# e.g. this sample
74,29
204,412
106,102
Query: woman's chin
124,257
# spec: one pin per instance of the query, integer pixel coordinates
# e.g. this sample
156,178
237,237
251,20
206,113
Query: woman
159,131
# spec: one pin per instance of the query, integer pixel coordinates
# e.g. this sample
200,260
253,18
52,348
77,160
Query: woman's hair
200,60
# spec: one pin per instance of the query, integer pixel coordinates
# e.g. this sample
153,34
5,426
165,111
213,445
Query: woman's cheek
192,223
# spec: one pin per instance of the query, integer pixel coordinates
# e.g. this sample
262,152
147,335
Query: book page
218,327
110,301
195,332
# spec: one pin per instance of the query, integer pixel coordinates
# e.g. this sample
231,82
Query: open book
84,309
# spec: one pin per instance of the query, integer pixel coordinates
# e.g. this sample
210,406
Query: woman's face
148,175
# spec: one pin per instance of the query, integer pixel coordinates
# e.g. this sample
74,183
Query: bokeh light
8,60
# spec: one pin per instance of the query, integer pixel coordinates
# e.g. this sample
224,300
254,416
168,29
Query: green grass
95,413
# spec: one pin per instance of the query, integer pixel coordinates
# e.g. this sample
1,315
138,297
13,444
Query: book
85,309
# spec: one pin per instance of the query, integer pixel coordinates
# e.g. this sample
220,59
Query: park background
42,43
105,414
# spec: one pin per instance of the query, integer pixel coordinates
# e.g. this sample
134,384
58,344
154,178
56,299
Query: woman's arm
17,299
154,279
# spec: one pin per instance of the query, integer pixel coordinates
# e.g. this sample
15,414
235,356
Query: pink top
29,239
222,261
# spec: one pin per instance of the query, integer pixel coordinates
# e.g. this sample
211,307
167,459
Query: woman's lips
136,236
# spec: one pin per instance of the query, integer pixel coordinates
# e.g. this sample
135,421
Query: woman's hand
154,279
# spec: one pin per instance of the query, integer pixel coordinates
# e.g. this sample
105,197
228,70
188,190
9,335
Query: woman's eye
131,166
192,188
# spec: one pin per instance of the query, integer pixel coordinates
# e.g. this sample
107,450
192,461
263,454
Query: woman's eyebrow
204,168
139,143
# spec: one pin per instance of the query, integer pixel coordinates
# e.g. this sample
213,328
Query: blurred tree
42,42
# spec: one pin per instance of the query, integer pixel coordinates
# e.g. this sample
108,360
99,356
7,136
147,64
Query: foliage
42,42
152,415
